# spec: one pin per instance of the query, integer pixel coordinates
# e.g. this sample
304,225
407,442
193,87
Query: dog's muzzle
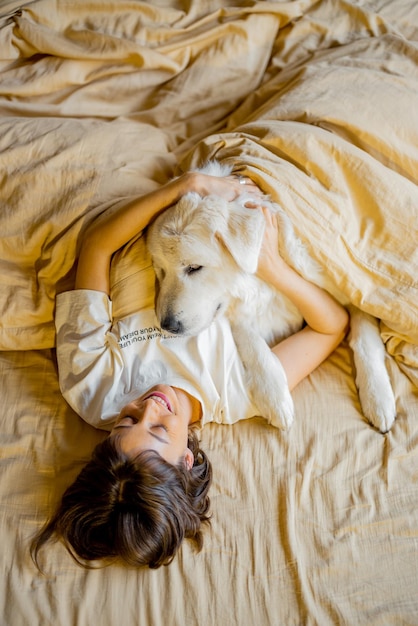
172,325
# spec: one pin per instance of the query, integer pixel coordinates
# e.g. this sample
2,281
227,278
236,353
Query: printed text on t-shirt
142,334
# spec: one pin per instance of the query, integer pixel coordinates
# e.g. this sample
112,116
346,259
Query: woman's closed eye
126,420
161,426
158,431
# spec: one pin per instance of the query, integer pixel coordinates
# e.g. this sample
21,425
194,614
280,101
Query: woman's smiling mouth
161,399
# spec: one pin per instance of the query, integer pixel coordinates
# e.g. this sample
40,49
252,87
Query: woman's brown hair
137,510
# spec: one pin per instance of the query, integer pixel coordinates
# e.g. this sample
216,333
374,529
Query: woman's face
158,420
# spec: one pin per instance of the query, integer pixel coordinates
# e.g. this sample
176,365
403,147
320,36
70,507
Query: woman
146,486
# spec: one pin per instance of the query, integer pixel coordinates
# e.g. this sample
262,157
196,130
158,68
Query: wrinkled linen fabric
102,101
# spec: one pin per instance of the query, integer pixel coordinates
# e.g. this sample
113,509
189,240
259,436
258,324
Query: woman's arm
116,228
327,321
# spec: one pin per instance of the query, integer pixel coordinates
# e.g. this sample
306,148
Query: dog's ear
242,235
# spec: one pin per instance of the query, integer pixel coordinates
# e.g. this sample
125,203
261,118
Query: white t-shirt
104,364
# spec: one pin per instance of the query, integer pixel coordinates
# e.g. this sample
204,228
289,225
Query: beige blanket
109,105
102,101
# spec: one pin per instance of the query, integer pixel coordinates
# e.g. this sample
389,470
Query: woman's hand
326,320
227,187
270,264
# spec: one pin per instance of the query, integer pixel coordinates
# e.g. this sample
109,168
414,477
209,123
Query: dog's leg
372,378
265,377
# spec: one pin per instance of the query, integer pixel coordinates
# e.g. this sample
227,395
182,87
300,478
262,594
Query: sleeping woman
146,486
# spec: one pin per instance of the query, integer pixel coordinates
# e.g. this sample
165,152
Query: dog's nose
172,325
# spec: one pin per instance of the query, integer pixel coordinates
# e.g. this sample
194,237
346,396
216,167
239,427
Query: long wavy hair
137,510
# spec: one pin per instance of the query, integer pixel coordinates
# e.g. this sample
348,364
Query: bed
316,101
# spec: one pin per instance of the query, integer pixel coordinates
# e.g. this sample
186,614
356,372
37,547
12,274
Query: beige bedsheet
103,101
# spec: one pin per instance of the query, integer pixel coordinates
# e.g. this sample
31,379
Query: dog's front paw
379,408
281,414
265,377
372,378
273,399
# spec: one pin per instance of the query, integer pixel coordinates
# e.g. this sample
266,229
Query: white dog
205,253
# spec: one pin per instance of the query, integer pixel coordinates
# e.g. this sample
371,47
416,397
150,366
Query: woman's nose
151,410
146,410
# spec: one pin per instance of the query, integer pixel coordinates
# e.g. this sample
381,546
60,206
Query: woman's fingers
244,184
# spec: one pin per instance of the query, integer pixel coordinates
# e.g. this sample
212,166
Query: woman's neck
194,404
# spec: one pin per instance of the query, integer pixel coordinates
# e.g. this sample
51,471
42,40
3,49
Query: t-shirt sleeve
89,361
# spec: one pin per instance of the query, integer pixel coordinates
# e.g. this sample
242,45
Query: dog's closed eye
191,269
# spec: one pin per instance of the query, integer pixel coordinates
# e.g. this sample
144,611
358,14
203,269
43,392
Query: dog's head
201,248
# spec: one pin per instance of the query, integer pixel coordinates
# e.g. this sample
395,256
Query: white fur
205,253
